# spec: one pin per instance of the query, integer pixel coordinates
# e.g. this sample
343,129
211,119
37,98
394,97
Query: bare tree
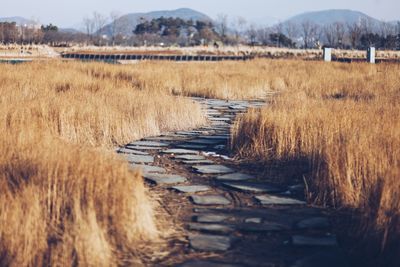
114,26
238,26
278,29
354,30
222,25
88,24
252,34
329,34
339,31
387,29
99,21
367,25
291,29
309,32
263,35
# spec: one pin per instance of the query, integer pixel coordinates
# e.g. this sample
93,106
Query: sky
70,13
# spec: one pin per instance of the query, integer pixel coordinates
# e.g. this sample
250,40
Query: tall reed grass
65,198
344,121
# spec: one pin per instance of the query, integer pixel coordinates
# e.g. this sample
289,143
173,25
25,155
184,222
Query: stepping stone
149,143
139,158
148,169
188,133
210,218
220,119
252,187
265,227
208,142
198,162
216,137
212,169
273,200
301,240
313,223
201,263
166,138
160,179
237,107
211,228
180,151
210,242
190,157
131,151
221,123
210,200
189,146
237,176
143,147
253,220
191,188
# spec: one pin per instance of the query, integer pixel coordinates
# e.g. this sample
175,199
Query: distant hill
127,23
331,16
18,20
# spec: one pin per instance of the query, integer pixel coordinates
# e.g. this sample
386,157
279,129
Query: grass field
65,198
343,122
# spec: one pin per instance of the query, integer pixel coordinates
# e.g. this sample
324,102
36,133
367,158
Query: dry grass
263,51
344,120
224,80
64,202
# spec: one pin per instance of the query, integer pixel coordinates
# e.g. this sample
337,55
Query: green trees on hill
187,32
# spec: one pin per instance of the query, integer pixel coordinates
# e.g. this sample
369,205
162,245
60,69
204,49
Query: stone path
231,216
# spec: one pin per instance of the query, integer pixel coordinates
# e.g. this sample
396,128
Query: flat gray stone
215,137
273,200
211,228
238,107
207,142
190,157
313,223
210,200
252,187
143,147
161,179
220,119
213,169
189,146
194,162
210,242
324,241
237,176
166,138
202,263
253,220
131,151
139,158
265,227
179,151
148,143
210,218
191,188
148,169
188,133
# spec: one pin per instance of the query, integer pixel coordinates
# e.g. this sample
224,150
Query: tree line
101,30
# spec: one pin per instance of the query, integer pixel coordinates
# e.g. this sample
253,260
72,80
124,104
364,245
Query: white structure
371,55
327,54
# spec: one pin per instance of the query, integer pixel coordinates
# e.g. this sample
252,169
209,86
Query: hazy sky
70,13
